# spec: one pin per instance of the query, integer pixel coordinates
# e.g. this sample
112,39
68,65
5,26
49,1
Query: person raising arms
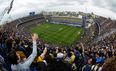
17,64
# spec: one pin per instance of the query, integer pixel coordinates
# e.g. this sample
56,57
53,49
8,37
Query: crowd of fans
22,52
25,53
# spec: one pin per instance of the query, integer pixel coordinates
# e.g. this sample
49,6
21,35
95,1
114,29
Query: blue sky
106,8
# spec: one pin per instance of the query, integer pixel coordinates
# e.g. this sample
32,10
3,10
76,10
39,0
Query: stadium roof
106,8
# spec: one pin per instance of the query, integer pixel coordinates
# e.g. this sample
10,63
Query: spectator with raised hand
41,62
42,55
17,64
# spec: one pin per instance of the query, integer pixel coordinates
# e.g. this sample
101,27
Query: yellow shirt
39,59
72,59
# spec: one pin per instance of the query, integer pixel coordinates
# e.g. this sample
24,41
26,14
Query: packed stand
25,53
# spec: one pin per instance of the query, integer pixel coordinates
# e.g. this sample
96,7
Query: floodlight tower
6,11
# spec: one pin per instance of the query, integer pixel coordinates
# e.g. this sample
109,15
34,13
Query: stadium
72,41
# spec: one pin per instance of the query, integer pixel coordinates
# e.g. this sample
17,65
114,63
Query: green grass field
58,34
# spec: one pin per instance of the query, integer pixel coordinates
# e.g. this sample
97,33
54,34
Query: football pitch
58,34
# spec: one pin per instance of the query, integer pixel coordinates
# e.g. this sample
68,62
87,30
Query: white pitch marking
60,29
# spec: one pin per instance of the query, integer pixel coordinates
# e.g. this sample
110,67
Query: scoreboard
32,13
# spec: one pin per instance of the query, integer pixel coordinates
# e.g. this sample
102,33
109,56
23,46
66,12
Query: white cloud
21,8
